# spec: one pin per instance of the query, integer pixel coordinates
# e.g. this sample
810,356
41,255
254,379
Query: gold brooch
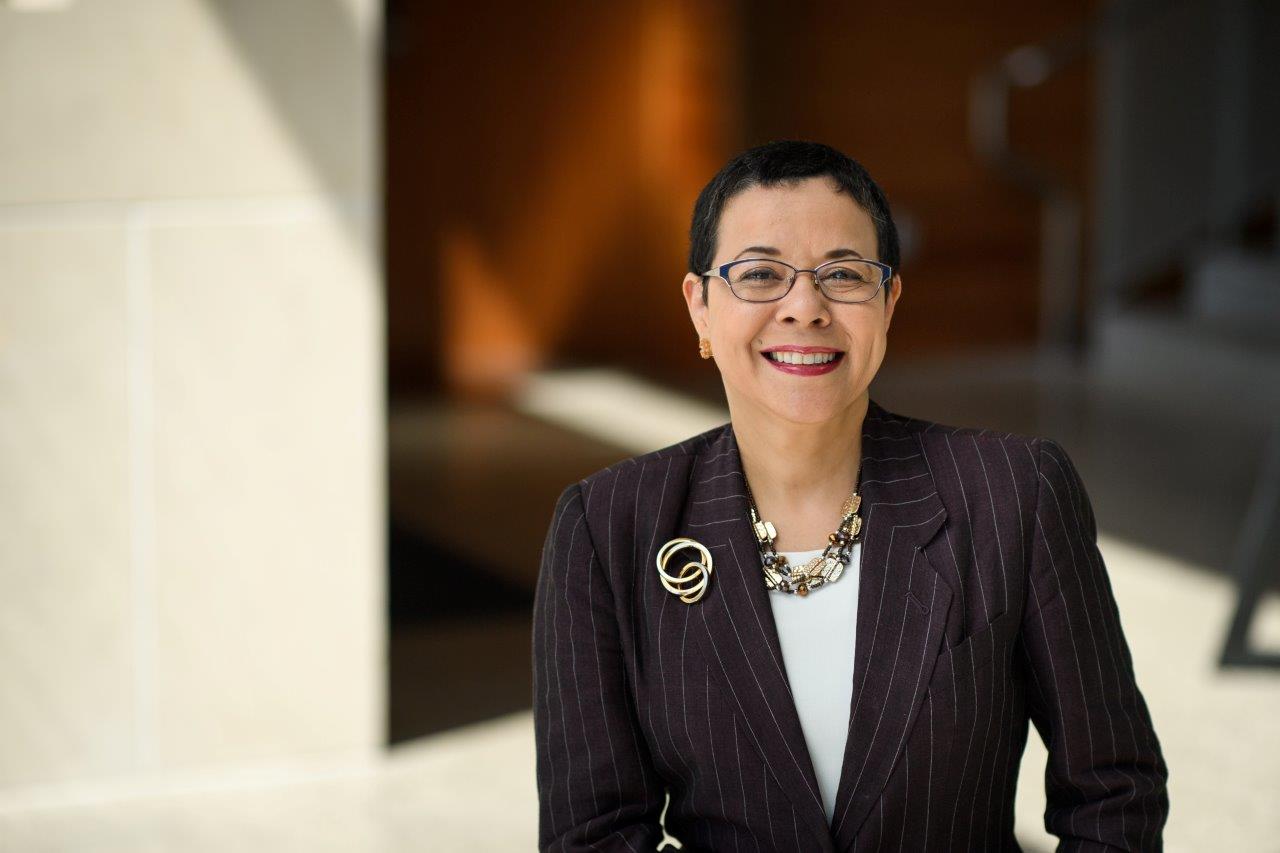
693,579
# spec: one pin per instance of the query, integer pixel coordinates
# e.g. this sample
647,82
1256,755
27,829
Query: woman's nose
805,302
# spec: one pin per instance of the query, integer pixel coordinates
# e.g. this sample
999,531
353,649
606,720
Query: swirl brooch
694,577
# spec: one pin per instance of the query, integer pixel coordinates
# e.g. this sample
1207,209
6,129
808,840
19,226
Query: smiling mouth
783,357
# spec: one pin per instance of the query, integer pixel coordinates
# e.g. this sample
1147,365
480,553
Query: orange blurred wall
542,163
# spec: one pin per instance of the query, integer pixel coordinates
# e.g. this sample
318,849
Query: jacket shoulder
940,433
625,505
968,459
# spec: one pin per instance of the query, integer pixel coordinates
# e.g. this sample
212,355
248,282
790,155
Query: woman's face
805,224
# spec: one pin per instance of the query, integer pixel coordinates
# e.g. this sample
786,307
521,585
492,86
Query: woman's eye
760,275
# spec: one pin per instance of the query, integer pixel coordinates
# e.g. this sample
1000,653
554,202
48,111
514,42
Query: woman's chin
798,407
805,411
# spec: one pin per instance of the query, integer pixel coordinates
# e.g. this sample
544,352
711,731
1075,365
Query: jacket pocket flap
979,649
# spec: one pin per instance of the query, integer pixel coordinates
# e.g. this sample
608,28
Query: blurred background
310,308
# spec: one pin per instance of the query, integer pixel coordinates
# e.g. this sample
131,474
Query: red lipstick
804,369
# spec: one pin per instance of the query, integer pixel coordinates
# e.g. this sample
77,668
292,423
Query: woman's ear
693,297
891,296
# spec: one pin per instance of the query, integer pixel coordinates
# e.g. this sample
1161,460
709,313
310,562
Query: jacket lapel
736,630
902,612
902,608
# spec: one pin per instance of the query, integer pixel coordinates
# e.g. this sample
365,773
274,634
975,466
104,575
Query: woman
823,625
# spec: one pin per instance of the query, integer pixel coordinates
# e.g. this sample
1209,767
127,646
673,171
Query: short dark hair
784,162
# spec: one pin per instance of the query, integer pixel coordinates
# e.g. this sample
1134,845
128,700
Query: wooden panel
542,163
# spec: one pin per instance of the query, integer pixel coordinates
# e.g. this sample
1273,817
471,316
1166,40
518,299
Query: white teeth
799,358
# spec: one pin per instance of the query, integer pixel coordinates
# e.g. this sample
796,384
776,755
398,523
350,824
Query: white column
191,427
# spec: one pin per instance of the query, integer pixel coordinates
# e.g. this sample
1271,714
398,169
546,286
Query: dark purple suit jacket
983,603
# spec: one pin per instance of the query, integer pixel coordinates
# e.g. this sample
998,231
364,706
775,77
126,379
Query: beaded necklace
823,569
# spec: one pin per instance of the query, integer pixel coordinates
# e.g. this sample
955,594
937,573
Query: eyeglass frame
721,272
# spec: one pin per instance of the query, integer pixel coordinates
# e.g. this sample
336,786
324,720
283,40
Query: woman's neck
801,467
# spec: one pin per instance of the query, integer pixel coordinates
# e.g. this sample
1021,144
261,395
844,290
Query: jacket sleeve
597,788
1106,776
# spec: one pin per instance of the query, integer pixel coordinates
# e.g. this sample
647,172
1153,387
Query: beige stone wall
191,428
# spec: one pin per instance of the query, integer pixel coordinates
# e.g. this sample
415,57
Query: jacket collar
902,608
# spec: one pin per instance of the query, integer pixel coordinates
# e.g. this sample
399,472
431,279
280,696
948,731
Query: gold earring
704,347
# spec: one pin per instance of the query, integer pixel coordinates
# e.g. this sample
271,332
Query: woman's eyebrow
759,250
770,250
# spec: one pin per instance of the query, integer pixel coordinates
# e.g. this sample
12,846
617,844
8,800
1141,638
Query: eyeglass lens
844,281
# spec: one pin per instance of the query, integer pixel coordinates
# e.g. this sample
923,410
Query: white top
817,633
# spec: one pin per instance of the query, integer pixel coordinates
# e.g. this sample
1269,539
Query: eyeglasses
763,280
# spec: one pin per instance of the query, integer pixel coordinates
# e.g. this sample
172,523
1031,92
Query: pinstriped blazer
984,603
